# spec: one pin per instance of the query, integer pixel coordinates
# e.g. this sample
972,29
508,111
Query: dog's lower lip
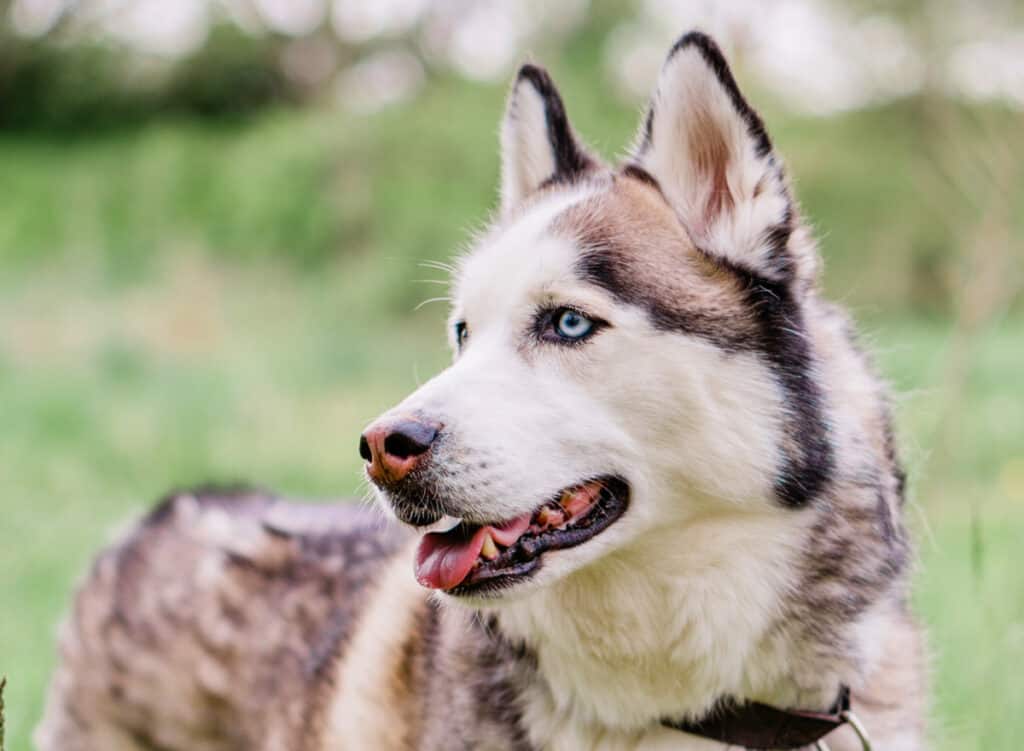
524,557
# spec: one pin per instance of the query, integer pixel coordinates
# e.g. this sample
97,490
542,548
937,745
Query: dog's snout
393,449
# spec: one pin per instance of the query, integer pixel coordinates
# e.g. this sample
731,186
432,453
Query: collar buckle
856,725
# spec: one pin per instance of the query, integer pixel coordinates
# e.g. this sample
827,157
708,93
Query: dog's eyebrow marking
632,248
627,250
604,267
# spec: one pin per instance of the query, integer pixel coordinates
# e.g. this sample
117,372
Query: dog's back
213,626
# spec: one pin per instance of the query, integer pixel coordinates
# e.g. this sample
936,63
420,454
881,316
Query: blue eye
572,325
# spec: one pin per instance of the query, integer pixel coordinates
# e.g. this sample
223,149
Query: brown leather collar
758,726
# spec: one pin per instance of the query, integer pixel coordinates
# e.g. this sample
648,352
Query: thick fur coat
755,549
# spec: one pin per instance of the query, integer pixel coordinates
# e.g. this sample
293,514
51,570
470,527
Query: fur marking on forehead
632,245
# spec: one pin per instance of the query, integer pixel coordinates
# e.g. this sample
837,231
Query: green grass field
186,303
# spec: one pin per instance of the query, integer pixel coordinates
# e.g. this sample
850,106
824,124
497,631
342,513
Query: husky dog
654,503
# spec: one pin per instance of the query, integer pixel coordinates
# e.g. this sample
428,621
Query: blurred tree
58,81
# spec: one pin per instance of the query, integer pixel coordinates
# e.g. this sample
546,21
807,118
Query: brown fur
639,251
711,159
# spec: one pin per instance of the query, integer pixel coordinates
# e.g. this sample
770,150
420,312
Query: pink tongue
444,559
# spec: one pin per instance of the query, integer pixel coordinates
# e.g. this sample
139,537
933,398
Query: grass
183,303
967,509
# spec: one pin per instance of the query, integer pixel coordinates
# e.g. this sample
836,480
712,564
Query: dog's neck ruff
755,725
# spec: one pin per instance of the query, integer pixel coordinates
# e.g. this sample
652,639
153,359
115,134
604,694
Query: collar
759,726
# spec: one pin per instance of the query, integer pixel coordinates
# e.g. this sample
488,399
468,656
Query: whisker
430,300
439,265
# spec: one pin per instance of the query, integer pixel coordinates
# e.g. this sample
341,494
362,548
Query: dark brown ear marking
715,60
570,159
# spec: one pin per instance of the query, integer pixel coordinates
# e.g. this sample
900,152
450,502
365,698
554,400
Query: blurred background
218,220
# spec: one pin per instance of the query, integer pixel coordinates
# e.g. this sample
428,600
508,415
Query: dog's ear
712,157
538,146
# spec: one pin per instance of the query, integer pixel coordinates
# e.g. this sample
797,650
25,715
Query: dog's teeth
489,549
578,501
550,517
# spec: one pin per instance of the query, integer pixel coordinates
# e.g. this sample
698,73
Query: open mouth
474,558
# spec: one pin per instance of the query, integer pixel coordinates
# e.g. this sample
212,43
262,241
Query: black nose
393,447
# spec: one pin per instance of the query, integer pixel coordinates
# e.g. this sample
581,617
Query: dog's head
629,345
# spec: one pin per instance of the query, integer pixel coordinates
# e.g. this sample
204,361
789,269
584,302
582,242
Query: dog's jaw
667,625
